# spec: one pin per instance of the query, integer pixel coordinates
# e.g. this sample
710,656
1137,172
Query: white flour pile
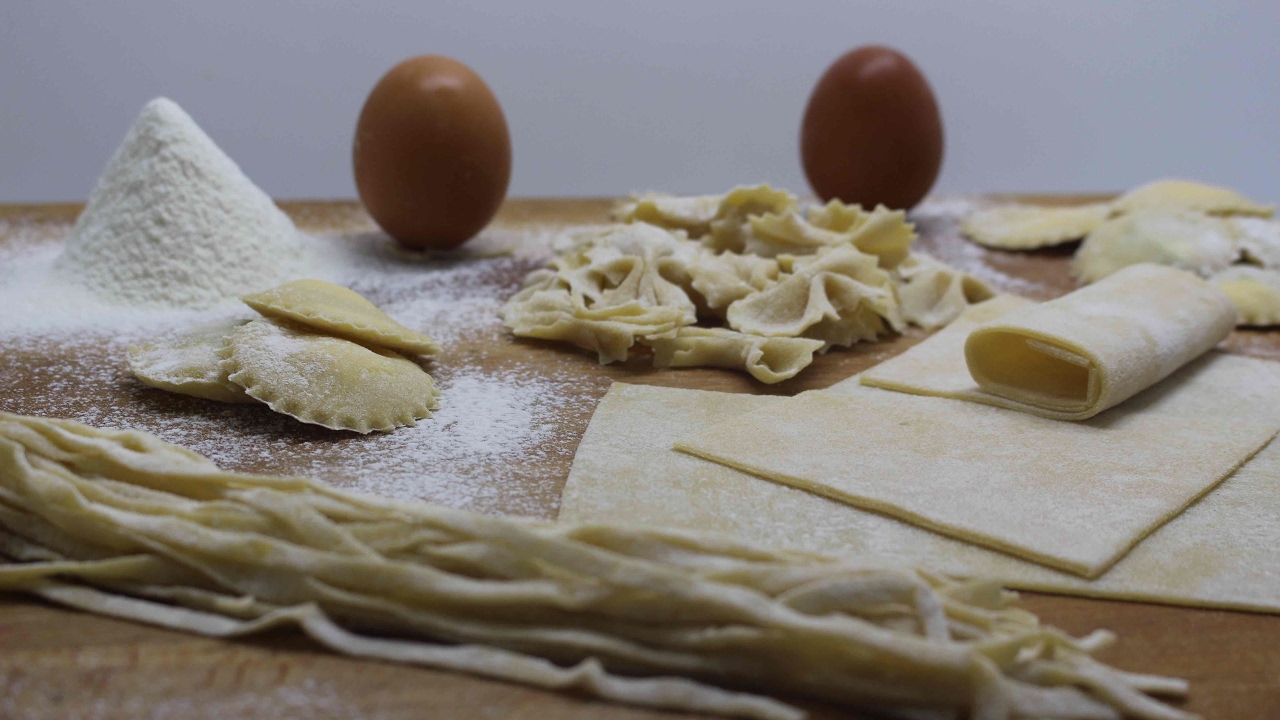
174,223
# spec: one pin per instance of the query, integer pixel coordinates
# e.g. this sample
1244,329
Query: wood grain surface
60,664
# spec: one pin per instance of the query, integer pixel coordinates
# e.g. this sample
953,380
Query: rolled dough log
1073,357
1219,553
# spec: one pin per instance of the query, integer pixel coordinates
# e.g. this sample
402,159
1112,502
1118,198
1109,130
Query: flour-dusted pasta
767,359
187,362
1027,227
730,228
932,294
1179,195
839,296
327,381
1254,291
719,279
882,232
95,520
692,213
1259,240
1189,241
340,311
608,292
1218,553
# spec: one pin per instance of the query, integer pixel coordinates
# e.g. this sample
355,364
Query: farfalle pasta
787,280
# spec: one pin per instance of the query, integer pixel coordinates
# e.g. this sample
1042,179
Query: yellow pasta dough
1072,496
1073,357
932,294
1176,195
1259,240
730,229
102,521
839,296
1255,293
692,214
337,310
1027,227
187,362
325,380
1189,241
1220,552
882,232
767,359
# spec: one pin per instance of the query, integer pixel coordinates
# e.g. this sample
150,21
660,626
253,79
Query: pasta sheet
1219,553
1074,496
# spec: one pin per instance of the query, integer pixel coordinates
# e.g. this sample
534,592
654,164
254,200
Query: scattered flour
174,223
938,224
482,450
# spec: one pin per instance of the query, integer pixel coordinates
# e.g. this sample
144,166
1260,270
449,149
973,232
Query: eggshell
432,153
872,133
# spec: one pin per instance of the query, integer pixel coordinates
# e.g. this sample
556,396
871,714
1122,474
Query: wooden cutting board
55,663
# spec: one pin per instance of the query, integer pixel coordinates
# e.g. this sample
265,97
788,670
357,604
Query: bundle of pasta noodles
120,523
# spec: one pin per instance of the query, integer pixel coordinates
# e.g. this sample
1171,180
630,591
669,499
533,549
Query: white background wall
603,97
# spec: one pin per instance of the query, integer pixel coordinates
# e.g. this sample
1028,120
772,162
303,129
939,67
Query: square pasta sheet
1220,552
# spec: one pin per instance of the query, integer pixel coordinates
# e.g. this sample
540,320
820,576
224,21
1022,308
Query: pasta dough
325,380
1220,552
839,296
1073,357
1255,293
931,294
339,311
1188,241
1259,240
1070,358
882,232
692,214
1027,227
1185,195
769,360
1073,496
187,362
181,544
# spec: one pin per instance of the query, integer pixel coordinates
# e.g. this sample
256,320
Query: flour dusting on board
937,222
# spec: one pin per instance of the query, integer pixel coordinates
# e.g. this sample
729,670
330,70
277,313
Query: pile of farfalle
749,280
1214,232
122,524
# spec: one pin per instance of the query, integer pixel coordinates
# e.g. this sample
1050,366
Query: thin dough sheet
1070,358
1219,553
1073,496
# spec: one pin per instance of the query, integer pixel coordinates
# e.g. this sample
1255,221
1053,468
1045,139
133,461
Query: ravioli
767,359
187,362
1188,241
339,311
1027,227
327,381
1255,293
1175,195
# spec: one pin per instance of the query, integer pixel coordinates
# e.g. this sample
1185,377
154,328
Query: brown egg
432,153
871,132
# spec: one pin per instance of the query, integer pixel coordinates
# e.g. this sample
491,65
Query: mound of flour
174,223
